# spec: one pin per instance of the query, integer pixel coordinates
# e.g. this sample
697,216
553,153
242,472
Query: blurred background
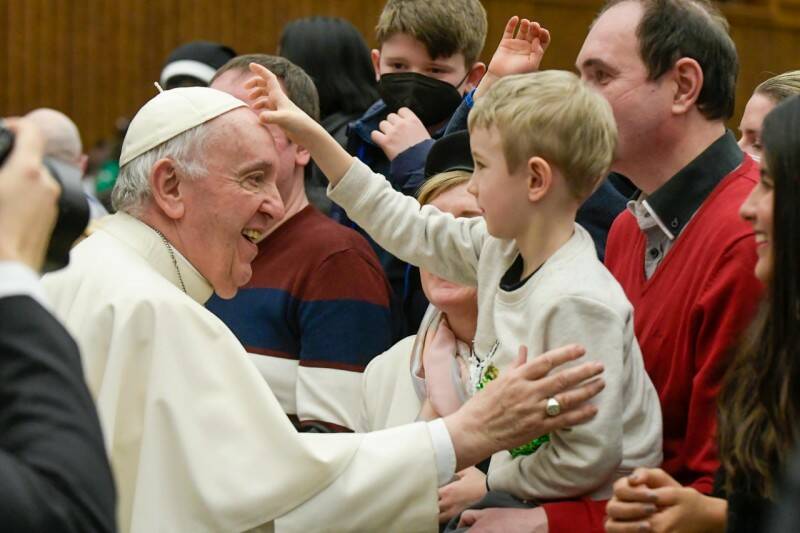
96,60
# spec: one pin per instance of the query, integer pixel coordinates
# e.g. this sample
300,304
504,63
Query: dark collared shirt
663,215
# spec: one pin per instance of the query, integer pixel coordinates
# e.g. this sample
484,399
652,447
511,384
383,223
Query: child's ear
165,187
540,178
375,55
474,76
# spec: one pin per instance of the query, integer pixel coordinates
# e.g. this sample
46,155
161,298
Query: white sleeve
424,237
17,279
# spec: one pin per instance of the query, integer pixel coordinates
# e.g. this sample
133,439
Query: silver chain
172,256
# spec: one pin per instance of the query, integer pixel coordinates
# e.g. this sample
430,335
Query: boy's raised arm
276,108
516,54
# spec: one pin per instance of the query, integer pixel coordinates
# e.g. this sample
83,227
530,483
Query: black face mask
432,100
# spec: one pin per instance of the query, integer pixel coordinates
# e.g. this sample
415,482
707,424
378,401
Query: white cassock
197,440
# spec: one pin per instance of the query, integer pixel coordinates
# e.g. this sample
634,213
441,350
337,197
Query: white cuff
445,454
17,279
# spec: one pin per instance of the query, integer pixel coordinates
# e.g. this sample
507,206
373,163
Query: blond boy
541,142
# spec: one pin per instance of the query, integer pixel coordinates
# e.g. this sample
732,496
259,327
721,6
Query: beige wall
97,59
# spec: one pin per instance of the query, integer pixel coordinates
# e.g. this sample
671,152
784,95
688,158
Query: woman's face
750,127
757,210
448,297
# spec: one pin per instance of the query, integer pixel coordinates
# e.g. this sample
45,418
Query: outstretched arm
516,54
276,108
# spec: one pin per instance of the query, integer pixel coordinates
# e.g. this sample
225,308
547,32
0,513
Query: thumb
468,518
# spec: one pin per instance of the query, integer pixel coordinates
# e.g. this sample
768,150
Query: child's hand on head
274,107
517,54
399,132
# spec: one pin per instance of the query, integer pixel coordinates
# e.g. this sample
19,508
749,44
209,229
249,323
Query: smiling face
609,62
233,205
403,53
446,296
758,210
750,127
501,195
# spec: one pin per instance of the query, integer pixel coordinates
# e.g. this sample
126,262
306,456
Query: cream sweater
572,298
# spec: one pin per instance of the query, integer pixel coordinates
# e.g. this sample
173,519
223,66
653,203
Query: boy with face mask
426,62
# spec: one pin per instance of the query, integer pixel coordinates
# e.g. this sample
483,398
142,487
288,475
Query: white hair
132,187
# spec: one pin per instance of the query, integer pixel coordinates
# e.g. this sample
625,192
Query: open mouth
253,235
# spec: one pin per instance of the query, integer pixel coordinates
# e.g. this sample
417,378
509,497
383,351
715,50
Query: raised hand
274,107
399,132
520,51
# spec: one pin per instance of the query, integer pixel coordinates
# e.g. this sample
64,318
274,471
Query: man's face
403,53
228,210
232,82
609,61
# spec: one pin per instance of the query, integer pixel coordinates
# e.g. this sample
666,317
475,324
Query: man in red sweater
684,257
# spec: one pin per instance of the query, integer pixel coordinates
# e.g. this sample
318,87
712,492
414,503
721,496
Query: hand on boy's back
399,132
517,54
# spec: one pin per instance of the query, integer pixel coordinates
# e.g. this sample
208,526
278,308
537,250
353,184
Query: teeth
760,238
252,234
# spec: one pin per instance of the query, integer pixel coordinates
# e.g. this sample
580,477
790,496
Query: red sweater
687,316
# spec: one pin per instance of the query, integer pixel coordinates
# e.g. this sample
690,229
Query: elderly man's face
232,82
609,61
229,210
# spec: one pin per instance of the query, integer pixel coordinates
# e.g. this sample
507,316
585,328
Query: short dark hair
672,29
299,87
335,55
445,27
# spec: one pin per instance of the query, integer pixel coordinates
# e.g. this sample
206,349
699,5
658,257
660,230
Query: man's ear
474,77
540,178
301,156
688,78
165,187
375,55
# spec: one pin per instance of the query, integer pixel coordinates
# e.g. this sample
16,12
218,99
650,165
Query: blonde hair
445,27
780,87
552,115
440,183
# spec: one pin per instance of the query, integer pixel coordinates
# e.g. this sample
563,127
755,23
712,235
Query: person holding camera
54,474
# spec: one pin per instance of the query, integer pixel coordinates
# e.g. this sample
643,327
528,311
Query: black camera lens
73,207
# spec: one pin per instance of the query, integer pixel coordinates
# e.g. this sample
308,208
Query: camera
73,207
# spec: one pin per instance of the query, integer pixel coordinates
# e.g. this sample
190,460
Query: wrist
486,82
715,515
469,442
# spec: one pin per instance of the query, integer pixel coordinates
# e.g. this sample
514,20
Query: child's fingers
262,103
511,25
378,137
524,30
384,126
393,118
544,38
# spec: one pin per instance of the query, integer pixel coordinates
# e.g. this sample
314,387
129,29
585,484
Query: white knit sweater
572,298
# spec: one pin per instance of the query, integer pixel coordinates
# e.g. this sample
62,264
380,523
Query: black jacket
54,474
